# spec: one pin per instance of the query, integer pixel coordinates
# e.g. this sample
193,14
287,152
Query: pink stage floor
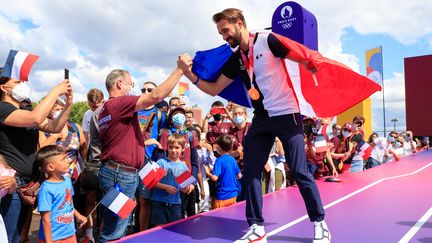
389,203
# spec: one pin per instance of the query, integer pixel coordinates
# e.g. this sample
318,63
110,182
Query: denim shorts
163,213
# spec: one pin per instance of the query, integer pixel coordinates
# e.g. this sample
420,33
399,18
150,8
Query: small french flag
269,166
364,149
320,143
118,203
76,171
185,179
18,65
151,174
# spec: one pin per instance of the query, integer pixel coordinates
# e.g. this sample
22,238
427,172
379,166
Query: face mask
134,91
179,119
217,117
346,134
391,139
56,114
21,92
397,144
238,119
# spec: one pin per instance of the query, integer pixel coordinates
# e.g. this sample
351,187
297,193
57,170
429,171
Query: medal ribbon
249,63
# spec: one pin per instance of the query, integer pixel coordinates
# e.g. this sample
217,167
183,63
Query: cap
348,126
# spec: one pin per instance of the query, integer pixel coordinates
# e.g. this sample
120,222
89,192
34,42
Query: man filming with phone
216,127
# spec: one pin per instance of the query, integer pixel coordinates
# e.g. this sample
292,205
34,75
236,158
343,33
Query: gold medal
253,93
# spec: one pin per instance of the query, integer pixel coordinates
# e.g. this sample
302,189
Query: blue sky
93,37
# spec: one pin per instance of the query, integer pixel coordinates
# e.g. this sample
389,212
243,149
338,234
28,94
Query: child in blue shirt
166,202
225,173
55,198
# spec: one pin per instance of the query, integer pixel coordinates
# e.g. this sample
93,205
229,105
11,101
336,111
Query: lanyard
249,63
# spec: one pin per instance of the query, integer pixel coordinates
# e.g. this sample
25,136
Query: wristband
196,81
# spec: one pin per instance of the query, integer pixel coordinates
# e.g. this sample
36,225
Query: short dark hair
173,98
225,142
189,112
150,82
230,14
45,153
359,118
217,103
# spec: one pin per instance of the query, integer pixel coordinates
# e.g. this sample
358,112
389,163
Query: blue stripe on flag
7,69
207,65
110,197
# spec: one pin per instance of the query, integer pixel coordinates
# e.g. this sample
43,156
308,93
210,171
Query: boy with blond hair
55,198
166,202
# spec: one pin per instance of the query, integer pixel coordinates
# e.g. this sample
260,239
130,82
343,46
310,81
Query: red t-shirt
215,130
238,134
120,132
189,145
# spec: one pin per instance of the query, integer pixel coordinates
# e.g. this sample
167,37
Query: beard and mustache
235,39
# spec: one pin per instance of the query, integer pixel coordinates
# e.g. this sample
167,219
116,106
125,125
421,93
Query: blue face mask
397,144
391,139
179,119
238,119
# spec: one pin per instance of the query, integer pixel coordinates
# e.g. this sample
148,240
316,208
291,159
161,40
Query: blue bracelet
196,81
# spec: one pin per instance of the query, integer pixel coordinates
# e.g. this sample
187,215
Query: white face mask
346,134
55,114
21,92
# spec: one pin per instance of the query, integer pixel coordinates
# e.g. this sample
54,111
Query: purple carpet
389,203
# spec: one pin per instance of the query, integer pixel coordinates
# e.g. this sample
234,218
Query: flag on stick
118,203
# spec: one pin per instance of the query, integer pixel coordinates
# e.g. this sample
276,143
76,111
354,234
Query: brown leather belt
114,165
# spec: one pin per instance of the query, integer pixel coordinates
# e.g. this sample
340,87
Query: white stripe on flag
118,202
145,170
187,182
321,143
78,168
294,73
17,63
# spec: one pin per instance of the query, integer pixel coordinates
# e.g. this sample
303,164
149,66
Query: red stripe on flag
179,179
126,209
26,66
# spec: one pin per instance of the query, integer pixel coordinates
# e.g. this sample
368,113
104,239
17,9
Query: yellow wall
361,109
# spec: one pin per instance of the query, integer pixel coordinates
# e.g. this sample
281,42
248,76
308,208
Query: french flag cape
331,90
118,203
18,65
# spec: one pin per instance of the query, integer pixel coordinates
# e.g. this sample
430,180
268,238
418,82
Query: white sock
89,233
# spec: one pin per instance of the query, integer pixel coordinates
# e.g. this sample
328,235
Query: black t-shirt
18,144
235,66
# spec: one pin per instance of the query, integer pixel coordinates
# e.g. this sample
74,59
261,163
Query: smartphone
217,110
66,73
332,179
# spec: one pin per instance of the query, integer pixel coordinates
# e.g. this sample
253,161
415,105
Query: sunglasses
147,89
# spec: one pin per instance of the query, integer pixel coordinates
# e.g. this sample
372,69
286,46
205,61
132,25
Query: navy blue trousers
257,145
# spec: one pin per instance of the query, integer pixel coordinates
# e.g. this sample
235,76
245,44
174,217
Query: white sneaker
321,232
255,233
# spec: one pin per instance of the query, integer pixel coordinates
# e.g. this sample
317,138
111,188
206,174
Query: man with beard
258,61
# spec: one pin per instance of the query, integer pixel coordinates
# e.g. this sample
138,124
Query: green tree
78,110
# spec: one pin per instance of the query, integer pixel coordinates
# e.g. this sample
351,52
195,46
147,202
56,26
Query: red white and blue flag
151,174
336,84
320,143
76,171
118,203
185,179
364,150
18,65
